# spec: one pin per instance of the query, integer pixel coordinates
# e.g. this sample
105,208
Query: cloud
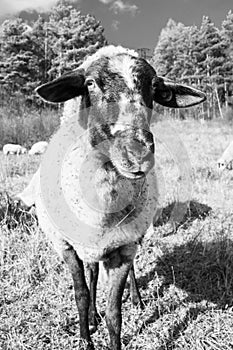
13,6
106,1
115,24
119,6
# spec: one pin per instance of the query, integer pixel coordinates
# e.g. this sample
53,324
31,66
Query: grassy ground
184,268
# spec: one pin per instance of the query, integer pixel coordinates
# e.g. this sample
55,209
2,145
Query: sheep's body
111,99
102,242
38,147
108,237
226,159
11,148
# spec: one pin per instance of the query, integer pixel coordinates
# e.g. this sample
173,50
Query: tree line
199,55
32,53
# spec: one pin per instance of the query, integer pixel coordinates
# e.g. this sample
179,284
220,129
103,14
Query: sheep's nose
220,165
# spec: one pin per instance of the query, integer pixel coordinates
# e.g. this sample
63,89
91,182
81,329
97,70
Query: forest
35,52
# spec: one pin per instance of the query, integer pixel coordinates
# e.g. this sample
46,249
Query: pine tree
15,54
184,68
22,59
30,55
165,51
72,36
173,52
227,40
209,52
227,34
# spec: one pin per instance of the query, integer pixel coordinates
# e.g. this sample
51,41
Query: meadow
184,266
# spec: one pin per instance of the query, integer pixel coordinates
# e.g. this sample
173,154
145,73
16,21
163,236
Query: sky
134,23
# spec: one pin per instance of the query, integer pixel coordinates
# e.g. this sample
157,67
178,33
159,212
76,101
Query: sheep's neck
118,197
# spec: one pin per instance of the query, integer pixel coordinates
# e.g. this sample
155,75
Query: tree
22,60
227,40
209,51
32,54
165,50
227,34
72,36
172,54
193,55
15,54
184,67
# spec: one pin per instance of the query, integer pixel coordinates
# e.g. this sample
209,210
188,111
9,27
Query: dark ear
174,95
63,88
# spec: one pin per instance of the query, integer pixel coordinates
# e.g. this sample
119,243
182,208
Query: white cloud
13,6
106,1
120,7
115,24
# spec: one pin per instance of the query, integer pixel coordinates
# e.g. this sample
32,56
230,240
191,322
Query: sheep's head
23,150
224,164
118,90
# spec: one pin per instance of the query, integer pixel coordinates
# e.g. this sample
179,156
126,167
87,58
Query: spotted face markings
125,91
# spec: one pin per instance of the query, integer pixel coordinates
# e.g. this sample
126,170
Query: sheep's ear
63,88
174,95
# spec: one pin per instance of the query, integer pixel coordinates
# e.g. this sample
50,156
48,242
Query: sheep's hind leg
82,295
94,317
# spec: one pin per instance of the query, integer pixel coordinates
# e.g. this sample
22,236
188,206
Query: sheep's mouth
132,175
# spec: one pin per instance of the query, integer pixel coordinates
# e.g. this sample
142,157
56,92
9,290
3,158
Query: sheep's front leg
94,318
82,295
117,267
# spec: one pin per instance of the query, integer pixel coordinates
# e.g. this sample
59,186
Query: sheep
38,148
11,148
226,159
27,199
110,98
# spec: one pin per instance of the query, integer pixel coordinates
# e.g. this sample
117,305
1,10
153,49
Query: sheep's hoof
94,321
92,328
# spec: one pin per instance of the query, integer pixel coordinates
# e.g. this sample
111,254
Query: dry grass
25,125
185,270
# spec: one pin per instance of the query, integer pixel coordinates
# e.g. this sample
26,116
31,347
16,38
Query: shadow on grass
12,213
194,210
203,271
182,214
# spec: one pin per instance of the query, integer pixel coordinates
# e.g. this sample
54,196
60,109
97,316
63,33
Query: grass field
184,269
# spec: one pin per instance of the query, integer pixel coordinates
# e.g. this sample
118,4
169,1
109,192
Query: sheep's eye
90,82
166,95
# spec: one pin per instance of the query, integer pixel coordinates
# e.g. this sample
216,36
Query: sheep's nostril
149,141
149,148
139,174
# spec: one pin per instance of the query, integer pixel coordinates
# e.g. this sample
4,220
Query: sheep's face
121,100
117,94
223,164
23,150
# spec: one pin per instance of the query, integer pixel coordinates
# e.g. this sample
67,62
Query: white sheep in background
226,159
11,148
38,147
112,75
